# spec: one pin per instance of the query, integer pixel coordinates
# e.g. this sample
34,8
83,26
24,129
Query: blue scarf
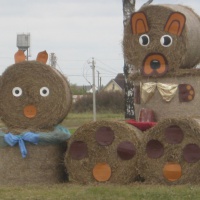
12,140
57,136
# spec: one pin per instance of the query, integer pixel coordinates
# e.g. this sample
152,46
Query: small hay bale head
103,151
33,96
171,152
162,38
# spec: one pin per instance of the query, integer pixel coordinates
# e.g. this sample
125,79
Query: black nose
155,64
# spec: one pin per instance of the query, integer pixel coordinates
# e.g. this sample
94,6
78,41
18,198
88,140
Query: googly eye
44,91
144,40
166,40
17,91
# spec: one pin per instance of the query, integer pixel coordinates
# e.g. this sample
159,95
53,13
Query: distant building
116,84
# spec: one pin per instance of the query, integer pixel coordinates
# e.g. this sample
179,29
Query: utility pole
93,89
98,81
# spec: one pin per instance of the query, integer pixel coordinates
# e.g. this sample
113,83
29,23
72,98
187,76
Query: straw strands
171,152
40,88
103,151
184,51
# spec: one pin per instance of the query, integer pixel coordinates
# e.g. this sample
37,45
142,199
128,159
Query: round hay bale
184,50
103,151
34,97
170,152
43,165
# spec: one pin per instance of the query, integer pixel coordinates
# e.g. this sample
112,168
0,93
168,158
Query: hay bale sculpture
34,99
171,152
161,42
103,151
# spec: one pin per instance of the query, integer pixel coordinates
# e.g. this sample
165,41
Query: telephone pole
93,89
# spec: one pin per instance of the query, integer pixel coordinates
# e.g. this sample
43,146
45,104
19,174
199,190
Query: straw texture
174,108
31,77
122,171
43,164
152,169
184,51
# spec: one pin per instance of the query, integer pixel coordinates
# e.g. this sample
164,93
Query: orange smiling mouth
155,64
30,111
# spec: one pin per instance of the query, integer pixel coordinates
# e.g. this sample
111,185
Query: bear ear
42,57
19,56
139,23
175,24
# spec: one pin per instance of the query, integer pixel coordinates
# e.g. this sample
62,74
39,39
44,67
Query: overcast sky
75,30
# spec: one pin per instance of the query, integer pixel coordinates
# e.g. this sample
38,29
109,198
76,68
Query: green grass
75,120
100,192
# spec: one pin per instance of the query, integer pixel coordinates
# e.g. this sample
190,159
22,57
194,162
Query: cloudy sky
75,30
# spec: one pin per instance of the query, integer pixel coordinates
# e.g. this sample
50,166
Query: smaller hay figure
34,99
103,151
171,152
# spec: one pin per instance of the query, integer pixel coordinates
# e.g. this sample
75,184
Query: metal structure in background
128,9
53,60
23,43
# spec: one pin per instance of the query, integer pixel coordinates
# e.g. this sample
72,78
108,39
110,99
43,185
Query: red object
143,126
146,115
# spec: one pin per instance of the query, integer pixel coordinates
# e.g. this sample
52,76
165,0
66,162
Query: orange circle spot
172,171
188,87
191,92
190,97
30,111
102,172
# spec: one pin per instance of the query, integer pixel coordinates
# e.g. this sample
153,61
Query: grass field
74,120
69,191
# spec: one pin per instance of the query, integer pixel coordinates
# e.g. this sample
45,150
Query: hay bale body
173,108
94,152
169,147
43,164
31,77
184,51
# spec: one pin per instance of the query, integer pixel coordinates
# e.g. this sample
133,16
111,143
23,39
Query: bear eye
166,40
144,40
17,91
44,91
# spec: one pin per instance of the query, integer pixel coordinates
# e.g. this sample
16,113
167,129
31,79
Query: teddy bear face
33,96
157,40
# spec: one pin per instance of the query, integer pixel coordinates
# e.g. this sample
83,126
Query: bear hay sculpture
161,42
34,99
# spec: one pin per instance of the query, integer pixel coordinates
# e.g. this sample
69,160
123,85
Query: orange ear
42,57
19,56
139,23
175,24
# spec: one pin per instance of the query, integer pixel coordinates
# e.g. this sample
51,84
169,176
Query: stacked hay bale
161,42
34,99
103,151
171,152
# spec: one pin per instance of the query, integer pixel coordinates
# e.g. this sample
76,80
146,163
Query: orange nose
172,171
30,111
